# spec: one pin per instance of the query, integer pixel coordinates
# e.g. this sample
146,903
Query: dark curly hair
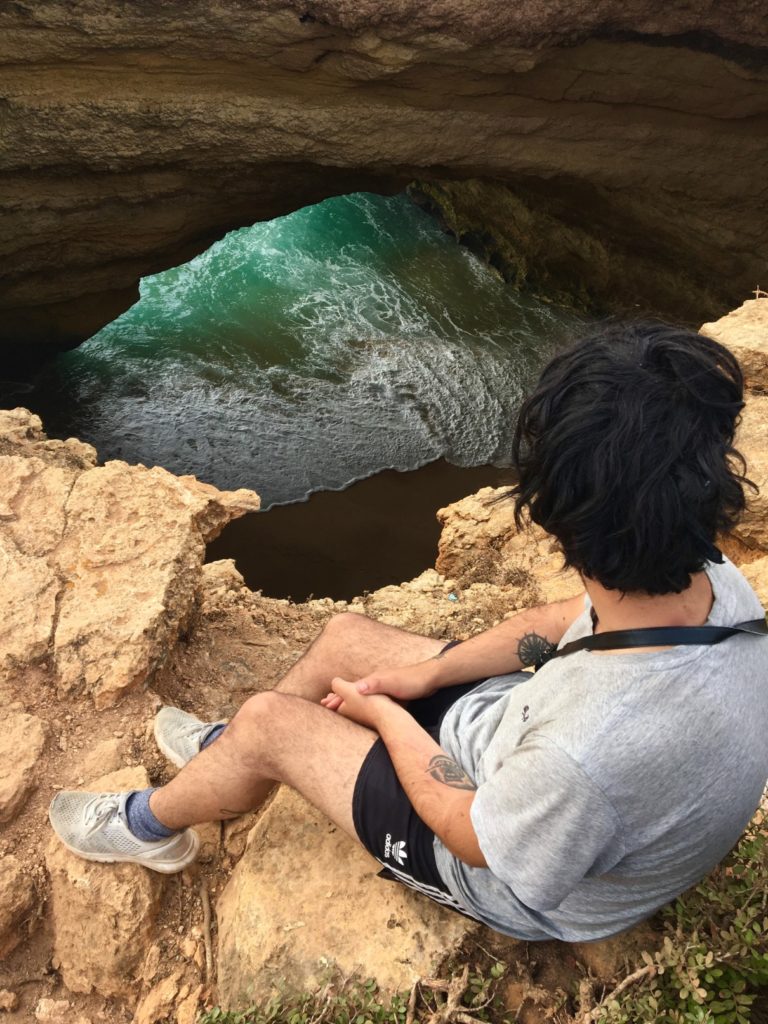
624,453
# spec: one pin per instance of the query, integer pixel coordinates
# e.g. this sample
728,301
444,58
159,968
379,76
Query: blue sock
141,821
214,734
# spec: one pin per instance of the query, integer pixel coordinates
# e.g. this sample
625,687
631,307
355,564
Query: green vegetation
467,998
336,1003
714,953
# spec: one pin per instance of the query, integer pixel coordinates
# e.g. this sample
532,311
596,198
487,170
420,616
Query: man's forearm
440,791
516,643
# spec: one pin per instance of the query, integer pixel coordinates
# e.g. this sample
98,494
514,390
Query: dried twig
643,972
452,1011
206,901
489,953
454,990
410,1014
585,1001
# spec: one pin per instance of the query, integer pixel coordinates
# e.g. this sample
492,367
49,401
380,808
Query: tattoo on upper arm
534,649
444,769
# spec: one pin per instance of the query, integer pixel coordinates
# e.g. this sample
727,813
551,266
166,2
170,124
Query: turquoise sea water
307,352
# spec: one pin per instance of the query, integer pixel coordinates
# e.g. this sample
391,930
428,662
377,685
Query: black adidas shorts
386,823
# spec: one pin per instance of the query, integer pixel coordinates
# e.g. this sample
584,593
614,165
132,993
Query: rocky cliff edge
107,611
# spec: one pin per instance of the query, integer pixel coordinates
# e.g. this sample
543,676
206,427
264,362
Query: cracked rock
101,564
21,743
103,914
17,902
745,332
276,924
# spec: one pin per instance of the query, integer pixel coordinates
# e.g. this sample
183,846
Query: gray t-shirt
609,784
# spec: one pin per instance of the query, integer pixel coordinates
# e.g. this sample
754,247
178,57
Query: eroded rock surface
752,442
131,141
103,914
757,574
305,898
53,1011
17,902
111,932
100,563
480,543
21,743
745,332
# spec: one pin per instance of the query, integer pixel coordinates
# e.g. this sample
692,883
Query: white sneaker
179,735
94,826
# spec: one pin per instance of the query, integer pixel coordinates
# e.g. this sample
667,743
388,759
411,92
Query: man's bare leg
277,737
274,737
352,646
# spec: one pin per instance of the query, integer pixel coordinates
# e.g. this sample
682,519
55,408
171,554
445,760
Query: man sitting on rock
571,803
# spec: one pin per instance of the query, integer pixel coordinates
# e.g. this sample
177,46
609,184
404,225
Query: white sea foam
313,350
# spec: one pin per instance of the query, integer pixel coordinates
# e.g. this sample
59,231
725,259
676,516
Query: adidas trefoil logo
397,850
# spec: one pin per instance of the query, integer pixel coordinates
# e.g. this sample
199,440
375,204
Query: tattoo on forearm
444,769
535,650
440,654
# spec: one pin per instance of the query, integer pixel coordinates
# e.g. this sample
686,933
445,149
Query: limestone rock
36,477
480,543
187,1008
18,428
211,508
17,901
100,565
103,759
757,575
27,604
103,914
53,1011
34,501
222,585
157,1004
21,433
433,606
131,557
752,442
119,781
129,173
151,963
235,835
745,332
306,894
8,1000
21,743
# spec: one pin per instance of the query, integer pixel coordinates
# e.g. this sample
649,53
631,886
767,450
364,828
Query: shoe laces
98,812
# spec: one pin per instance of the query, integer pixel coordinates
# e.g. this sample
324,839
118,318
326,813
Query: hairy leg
275,737
352,646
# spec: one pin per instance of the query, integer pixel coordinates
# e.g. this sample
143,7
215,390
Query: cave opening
350,362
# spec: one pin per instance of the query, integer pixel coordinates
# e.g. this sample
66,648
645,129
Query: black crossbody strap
662,636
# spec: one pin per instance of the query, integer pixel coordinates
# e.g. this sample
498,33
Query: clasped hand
364,700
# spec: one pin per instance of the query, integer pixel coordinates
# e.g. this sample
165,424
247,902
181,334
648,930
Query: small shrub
714,955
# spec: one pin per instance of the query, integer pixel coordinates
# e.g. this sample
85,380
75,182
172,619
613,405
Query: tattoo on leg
535,650
444,769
